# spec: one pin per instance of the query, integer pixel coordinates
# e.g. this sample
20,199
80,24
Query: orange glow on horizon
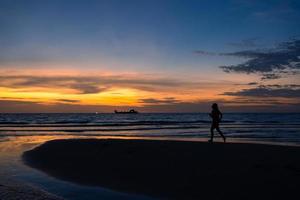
96,87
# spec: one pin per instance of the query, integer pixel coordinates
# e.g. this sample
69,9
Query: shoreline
173,169
14,190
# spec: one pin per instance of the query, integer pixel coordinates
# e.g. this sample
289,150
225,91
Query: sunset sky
151,55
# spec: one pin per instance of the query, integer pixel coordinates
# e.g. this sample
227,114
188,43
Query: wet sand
174,169
15,190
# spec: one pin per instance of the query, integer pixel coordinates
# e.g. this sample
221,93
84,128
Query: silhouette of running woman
216,116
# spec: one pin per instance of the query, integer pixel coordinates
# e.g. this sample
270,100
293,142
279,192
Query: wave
146,123
128,127
8,122
3,137
228,129
97,129
89,123
71,122
100,124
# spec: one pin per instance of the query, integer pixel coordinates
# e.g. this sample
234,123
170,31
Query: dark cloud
289,86
15,106
83,85
68,100
20,100
252,83
254,101
270,76
271,63
92,84
237,105
167,100
87,88
267,91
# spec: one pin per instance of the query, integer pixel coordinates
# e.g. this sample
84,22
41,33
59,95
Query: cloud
206,53
252,83
167,100
289,91
246,43
20,100
83,85
291,86
87,88
68,100
255,101
271,63
270,76
93,84
237,105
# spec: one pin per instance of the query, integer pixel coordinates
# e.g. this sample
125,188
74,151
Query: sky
151,55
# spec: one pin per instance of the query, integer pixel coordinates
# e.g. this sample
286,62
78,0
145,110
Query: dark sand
14,190
173,169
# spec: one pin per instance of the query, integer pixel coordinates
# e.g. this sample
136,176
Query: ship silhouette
132,111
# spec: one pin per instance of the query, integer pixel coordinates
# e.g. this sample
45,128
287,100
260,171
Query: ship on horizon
132,111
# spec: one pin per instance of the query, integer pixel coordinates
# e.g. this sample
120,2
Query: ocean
248,127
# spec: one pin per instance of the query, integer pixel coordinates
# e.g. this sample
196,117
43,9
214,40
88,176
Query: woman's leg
220,132
211,133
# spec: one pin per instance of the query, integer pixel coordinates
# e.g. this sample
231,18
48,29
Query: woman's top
216,116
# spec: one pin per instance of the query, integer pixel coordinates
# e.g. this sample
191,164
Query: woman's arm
221,115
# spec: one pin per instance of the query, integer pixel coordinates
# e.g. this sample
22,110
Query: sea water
251,127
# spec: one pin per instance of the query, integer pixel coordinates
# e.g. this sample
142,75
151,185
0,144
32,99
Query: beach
149,156
173,169
14,190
